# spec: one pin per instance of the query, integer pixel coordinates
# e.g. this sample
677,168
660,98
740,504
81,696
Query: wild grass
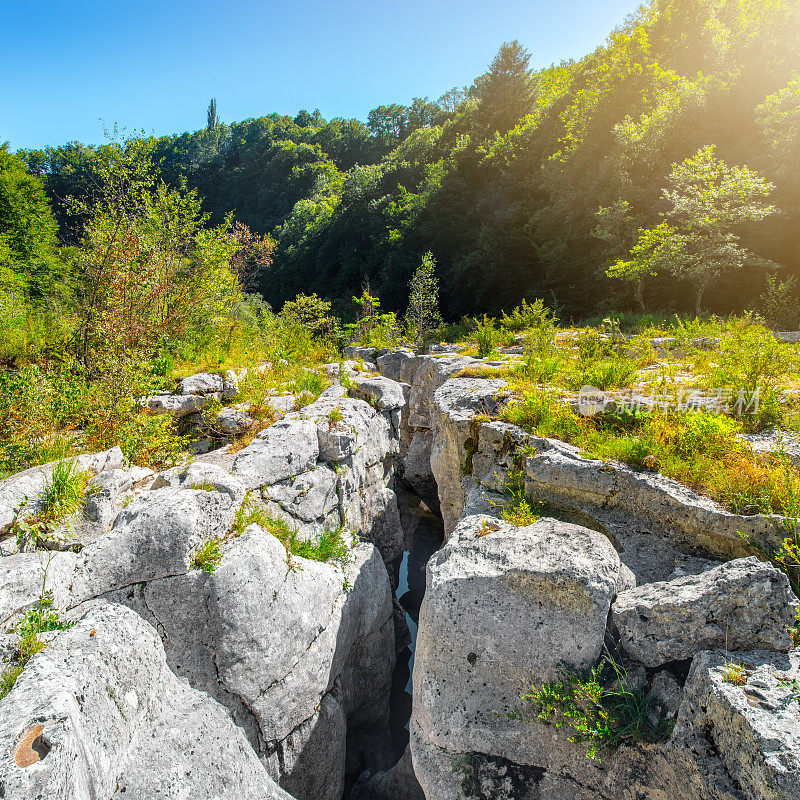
701,450
64,491
331,546
208,556
603,706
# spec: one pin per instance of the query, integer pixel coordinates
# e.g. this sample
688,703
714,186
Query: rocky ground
269,675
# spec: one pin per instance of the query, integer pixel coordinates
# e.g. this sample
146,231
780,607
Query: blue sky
154,65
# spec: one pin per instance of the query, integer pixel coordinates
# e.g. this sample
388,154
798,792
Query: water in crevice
423,535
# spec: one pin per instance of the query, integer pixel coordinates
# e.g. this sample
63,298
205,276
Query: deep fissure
423,535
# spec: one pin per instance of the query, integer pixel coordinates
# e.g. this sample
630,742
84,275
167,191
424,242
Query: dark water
423,535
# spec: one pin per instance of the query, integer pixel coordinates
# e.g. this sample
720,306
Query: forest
530,183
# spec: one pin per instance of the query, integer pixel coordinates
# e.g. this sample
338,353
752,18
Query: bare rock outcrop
744,604
98,713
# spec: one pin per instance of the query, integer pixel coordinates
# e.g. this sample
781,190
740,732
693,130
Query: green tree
27,228
211,115
151,271
708,200
423,302
506,91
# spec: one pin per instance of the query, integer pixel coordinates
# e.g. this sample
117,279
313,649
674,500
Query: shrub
603,707
528,315
779,303
486,337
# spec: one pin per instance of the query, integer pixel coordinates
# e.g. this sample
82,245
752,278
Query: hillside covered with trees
504,181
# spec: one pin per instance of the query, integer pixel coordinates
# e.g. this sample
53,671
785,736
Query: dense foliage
503,181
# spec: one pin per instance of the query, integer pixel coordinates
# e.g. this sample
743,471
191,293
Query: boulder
202,383
25,488
753,728
456,404
154,537
24,576
201,475
745,604
505,608
300,652
281,451
309,497
619,497
381,393
430,375
97,713
178,405
400,365
230,383
230,421
105,490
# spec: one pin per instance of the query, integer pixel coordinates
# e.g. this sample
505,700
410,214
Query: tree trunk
699,300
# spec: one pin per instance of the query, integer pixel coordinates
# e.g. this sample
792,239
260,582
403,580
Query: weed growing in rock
603,707
62,496
519,511
330,546
735,674
64,491
39,618
208,556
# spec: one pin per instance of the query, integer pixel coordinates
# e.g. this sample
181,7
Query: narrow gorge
398,666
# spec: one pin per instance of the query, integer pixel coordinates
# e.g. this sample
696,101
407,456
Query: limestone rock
154,537
456,404
230,383
26,487
308,497
202,383
745,603
281,451
285,636
400,365
755,727
616,494
22,577
97,714
382,393
505,608
430,375
230,421
178,405
201,475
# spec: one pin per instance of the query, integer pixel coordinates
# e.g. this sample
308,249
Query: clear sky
150,65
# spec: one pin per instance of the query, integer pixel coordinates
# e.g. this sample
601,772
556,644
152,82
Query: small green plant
39,618
334,418
519,510
602,706
204,486
735,674
528,315
486,337
64,491
794,688
466,765
208,556
331,545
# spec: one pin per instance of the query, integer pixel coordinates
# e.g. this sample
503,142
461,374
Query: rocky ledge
268,674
